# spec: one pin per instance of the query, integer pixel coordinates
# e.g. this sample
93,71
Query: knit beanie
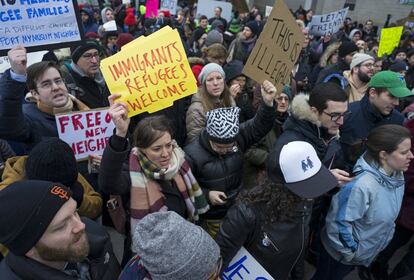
222,125
346,48
233,69
78,50
123,39
52,160
213,36
252,25
360,58
217,25
173,248
286,90
398,65
210,68
27,208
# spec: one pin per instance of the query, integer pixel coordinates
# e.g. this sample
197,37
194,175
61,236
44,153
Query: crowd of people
319,171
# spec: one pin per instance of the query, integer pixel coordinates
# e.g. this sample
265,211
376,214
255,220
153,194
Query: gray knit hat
172,248
213,36
360,58
222,124
210,68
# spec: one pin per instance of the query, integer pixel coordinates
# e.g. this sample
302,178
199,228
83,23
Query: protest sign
240,6
245,267
87,132
268,10
277,48
38,24
206,7
322,25
169,5
150,72
389,40
151,9
31,58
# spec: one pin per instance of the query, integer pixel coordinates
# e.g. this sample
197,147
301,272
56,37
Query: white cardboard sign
87,132
245,267
322,25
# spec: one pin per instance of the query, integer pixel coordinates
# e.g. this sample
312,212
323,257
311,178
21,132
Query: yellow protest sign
151,72
389,40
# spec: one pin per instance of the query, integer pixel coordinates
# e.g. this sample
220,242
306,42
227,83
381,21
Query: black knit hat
346,48
253,27
84,46
27,208
52,160
233,69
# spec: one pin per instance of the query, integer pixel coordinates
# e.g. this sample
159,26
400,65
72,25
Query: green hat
392,81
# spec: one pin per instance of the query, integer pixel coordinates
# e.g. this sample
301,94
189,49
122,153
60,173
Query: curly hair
277,200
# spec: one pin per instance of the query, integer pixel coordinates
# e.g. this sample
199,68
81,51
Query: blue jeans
328,268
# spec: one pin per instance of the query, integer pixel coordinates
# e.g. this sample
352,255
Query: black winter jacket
224,172
276,246
102,262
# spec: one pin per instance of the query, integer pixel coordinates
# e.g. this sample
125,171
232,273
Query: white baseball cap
303,172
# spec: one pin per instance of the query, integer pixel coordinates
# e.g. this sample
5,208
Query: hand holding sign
119,113
268,93
18,60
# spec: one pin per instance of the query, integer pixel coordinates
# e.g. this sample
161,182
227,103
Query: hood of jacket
394,181
14,170
195,61
330,50
103,12
301,109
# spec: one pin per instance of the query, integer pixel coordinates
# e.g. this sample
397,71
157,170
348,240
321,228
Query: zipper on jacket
266,241
303,241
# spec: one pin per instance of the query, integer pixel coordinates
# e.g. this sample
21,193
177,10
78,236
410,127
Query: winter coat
196,116
224,172
102,262
88,90
303,125
333,73
323,61
90,26
91,206
240,49
354,93
276,246
361,220
406,217
363,118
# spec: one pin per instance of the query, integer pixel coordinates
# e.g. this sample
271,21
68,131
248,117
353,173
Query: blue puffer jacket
361,220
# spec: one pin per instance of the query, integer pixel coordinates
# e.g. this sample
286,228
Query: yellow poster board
150,72
389,40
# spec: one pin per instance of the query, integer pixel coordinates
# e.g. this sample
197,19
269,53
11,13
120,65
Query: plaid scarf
146,195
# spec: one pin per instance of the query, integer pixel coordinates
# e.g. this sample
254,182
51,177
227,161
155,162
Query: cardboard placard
322,25
206,7
389,40
39,25
245,267
150,72
169,5
240,6
277,48
87,132
151,9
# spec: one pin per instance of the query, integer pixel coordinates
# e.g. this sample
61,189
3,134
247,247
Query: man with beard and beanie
376,108
169,247
85,80
216,155
47,239
362,69
243,45
334,73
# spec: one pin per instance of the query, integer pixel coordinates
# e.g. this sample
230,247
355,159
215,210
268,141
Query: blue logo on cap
307,164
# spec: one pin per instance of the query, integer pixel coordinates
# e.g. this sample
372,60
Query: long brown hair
208,101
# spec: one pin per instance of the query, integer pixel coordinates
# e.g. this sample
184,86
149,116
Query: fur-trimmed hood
302,110
195,61
330,50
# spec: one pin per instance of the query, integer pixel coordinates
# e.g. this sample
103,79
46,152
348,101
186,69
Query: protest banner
277,48
268,10
150,72
389,40
240,6
39,24
87,132
206,7
151,9
322,25
169,5
245,267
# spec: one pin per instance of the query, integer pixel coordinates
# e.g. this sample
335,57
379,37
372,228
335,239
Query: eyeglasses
369,65
89,56
216,273
49,83
336,116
